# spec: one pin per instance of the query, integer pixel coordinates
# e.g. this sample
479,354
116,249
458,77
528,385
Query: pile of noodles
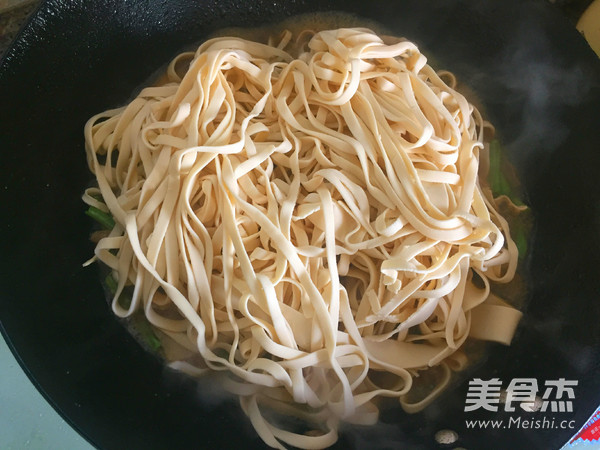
308,218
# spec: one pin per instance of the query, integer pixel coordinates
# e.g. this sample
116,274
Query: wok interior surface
538,83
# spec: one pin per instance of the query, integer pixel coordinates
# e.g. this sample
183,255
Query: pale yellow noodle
305,216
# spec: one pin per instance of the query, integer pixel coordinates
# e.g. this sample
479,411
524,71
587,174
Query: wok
538,83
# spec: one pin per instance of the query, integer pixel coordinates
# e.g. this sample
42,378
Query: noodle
308,218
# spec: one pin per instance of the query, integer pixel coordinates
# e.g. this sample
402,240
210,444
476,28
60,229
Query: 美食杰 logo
522,395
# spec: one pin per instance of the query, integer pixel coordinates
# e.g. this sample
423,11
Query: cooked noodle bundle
308,218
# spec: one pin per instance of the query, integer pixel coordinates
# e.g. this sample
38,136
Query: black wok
539,84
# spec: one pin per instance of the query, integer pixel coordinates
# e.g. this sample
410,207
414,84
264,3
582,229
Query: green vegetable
104,219
521,241
498,181
111,283
145,331
139,323
124,300
501,186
